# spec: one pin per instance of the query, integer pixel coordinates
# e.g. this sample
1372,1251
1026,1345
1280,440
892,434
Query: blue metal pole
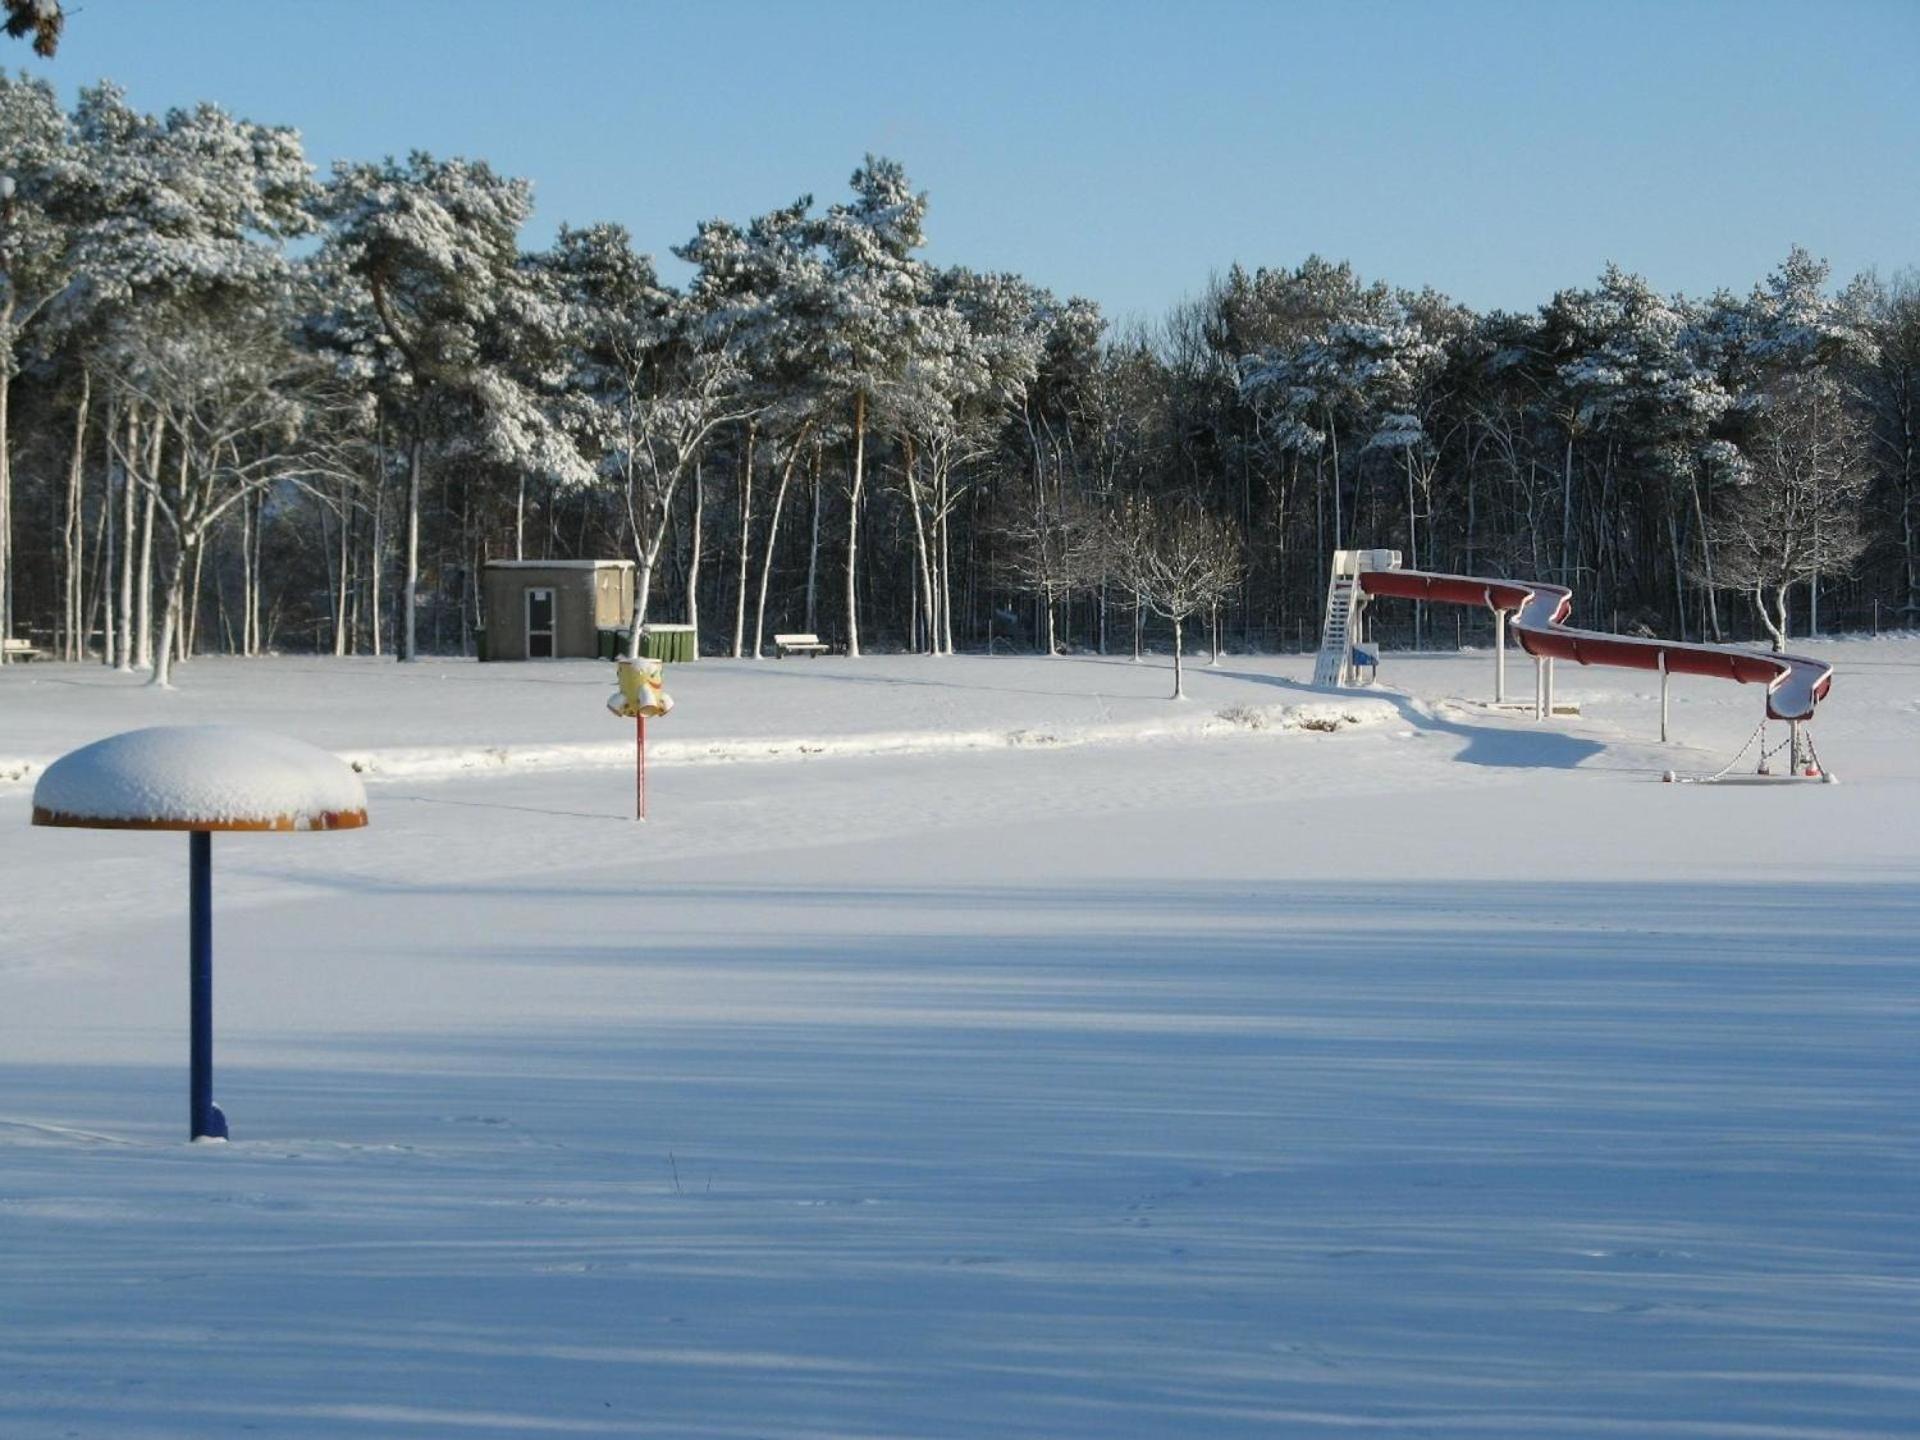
204,1117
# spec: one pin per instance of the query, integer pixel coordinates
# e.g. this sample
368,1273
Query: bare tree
1793,511
1051,540
668,401
1179,559
245,412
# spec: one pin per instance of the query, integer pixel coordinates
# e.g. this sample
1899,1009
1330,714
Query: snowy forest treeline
243,407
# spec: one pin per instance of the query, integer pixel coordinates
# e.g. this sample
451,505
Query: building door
539,624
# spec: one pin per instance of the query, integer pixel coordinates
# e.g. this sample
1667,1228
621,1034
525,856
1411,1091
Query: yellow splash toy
643,690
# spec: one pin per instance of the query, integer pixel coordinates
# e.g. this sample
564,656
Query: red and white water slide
1795,684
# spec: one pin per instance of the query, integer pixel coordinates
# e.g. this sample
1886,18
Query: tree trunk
1910,537
1413,552
254,624
377,553
162,677
1319,513
1813,593
73,535
1679,573
340,590
1566,514
1909,474
100,603
921,556
1333,440
410,602
693,550
470,549
190,624
123,659
249,579
746,541
1706,562
143,583
330,563
853,520
1773,614
946,566
642,592
773,535
646,563
1179,672
520,520
813,552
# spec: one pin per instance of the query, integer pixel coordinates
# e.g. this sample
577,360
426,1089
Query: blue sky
1121,151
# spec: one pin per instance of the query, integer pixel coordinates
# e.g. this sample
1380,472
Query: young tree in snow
1179,559
1792,512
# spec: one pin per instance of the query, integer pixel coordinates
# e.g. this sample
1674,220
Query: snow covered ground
1011,1052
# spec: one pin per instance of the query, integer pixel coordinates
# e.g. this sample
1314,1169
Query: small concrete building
554,609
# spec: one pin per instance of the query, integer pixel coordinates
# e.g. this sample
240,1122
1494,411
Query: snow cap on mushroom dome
200,777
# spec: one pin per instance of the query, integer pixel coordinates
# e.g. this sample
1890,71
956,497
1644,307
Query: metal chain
1766,753
1727,769
1814,755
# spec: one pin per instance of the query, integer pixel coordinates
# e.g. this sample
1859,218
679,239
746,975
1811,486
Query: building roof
559,564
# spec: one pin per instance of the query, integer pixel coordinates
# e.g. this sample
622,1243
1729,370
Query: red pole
640,767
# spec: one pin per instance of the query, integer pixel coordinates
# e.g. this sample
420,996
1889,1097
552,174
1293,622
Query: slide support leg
1499,657
1539,688
1549,687
1666,686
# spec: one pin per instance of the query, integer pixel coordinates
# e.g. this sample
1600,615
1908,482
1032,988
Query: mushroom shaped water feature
200,778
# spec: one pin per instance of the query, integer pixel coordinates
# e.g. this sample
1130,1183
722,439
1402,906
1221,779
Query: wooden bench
19,650
808,645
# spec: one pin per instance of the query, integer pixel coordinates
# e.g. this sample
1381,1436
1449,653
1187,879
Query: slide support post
1549,687
1499,656
1666,686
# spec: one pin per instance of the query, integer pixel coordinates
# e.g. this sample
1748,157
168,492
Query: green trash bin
673,644
610,644
480,642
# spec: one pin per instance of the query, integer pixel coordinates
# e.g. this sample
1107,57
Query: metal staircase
1344,603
